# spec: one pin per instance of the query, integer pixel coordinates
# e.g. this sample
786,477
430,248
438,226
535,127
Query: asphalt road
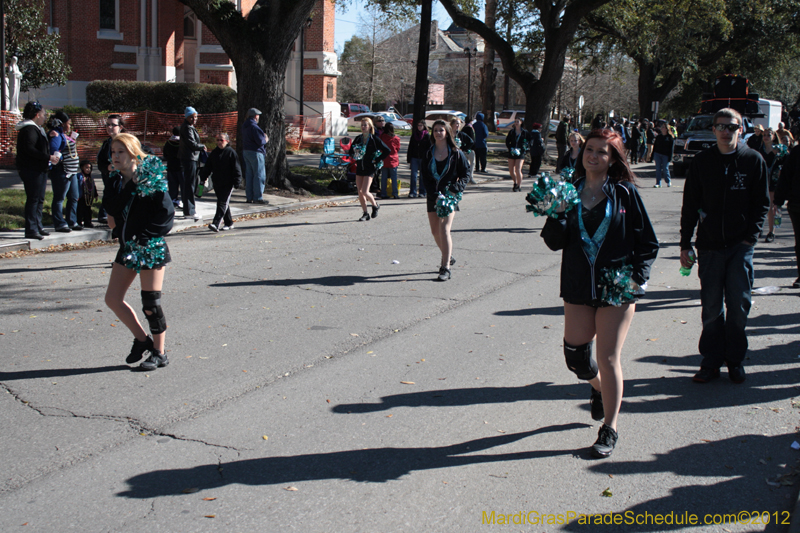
320,381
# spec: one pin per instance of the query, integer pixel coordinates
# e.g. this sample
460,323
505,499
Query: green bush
162,97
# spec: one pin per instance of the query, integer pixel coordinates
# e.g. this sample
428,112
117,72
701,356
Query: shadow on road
328,281
377,465
59,372
744,460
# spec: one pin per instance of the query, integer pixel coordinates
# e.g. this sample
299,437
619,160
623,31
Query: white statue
7,100
14,82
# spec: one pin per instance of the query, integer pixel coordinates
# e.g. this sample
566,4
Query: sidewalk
14,240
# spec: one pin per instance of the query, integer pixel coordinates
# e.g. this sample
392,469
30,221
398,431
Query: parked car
409,118
507,117
351,110
395,120
447,116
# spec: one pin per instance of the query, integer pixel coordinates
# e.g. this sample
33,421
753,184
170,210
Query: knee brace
579,360
151,305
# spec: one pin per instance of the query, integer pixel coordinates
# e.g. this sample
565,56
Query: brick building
162,40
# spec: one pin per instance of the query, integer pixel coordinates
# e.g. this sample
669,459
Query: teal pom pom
617,286
358,152
136,257
150,178
782,149
567,173
446,203
549,196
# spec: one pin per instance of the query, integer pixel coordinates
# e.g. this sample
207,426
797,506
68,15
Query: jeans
642,151
480,156
471,161
223,192
662,166
189,185
255,175
725,276
387,173
175,184
35,183
64,187
416,170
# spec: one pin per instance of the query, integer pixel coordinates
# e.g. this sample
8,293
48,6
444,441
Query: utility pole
421,85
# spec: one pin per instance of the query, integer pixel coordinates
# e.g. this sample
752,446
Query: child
87,194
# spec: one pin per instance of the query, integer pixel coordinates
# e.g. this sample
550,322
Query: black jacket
146,218
664,145
366,166
517,141
417,148
788,188
454,179
104,158
567,161
536,144
467,142
33,148
734,200
224,165
170,153
630,241
190,145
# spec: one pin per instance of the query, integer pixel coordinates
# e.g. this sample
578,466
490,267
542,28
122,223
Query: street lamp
307,24
469,53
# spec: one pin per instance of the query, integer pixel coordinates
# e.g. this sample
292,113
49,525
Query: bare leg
433,221
364,196
153,280
118,285
612,325
518,171
511,170
446,242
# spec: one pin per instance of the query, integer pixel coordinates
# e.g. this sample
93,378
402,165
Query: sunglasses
730,127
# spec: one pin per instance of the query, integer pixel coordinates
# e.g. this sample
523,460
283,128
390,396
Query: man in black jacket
726,194
114,126
223,163
562,132
189,151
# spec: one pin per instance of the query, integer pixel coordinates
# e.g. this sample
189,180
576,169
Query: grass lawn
12,209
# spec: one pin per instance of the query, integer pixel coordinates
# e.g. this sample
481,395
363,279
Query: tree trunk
421,85
260,66
649,92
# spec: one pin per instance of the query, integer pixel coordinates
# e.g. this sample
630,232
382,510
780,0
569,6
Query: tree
488,70
692,41
260,46
37,52
557,21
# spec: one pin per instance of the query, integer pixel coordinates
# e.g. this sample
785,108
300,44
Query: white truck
771,111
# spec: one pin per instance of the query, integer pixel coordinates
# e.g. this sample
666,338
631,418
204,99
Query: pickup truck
698,137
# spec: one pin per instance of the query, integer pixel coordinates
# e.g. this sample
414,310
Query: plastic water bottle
201,187
685,271
778,218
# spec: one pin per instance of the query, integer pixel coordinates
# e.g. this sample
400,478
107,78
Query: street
321,381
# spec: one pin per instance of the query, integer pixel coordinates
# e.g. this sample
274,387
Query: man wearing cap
189,153
254,151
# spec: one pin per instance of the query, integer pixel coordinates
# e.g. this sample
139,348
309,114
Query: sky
347,23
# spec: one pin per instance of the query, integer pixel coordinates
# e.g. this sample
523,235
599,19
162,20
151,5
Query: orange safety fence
154,129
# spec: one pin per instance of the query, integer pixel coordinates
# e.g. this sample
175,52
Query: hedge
162,97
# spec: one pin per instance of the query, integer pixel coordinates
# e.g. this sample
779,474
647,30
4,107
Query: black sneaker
444,274
375,210
44,233
706,374
452,260
796,284
138,349
596,402
154,361
737,374
770,237
364,217
77,227
606,440
64,229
